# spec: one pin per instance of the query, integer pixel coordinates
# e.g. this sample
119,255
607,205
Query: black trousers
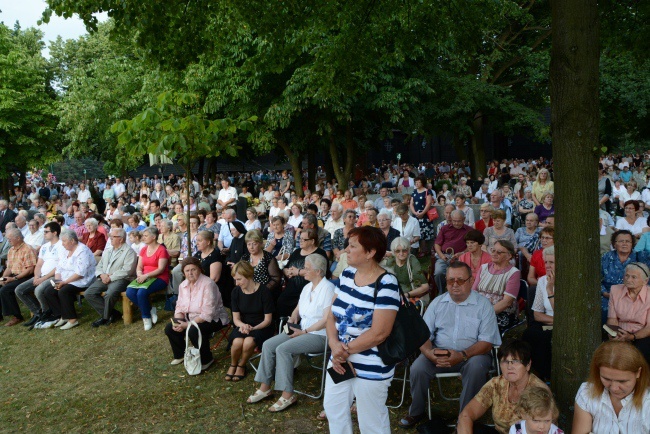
61,302
8,299
177,339
643,345
540,349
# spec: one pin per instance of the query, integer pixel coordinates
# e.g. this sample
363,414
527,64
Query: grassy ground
118,379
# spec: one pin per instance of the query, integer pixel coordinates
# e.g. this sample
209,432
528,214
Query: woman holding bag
355,326
199,300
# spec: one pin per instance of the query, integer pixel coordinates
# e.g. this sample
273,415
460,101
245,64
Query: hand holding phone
439,352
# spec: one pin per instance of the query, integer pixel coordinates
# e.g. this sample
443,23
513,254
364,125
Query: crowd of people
330,260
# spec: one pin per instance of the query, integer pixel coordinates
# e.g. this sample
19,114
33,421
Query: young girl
539,410
135,240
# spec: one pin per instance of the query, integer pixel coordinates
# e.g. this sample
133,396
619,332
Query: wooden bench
127,306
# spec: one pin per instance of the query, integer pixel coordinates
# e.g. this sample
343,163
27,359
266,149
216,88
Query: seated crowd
331,262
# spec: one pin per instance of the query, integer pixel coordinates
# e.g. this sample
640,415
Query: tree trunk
574,127
311,169
199,175
459,147
296,165
344,173
477,144
329,167
188,184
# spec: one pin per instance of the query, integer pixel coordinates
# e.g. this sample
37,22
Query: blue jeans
140,297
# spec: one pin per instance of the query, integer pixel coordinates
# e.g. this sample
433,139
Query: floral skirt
427,229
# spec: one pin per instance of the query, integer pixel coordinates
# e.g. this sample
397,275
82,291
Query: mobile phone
2,279
441,353
176,320
611,330
287,328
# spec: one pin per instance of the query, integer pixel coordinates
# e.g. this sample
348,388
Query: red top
451,238
150,263
479,225
98,242
537,261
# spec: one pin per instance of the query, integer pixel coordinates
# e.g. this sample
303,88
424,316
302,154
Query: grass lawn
118,379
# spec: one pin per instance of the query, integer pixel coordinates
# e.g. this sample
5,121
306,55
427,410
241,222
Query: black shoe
36,318
115,317
100,322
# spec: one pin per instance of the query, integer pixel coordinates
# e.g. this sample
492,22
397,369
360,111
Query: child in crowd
538,409
135,240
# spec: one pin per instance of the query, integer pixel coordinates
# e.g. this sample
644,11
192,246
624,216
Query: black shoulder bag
409,332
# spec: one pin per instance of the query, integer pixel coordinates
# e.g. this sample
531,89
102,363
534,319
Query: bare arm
543,318
532,280
582,421
471,413
505,303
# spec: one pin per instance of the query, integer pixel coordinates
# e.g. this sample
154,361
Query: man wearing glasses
463,331
112,275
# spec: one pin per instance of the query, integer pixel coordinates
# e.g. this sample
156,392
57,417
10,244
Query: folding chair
320,366
282,320
224,332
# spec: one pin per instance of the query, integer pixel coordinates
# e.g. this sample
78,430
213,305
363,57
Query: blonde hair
621,356
537,401
244,269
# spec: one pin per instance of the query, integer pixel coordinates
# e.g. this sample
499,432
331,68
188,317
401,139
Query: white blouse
81,262
636,228
312,304
630,420
542,303
410,230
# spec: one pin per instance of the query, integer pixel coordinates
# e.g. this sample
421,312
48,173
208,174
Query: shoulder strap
399,287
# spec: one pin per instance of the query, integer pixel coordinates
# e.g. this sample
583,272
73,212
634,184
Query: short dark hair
460,264
617,234
422,179
156,202
515,348
53,227
327,201
312,207
371,238
475,235
634,203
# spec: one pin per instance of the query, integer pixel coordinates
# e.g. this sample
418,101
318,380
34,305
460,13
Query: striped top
353,309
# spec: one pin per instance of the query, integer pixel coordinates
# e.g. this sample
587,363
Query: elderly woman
545,209
238,244
475,256
266,269
499,282
485,221
340,236
170,240
629,193
542,186
538,335
93,239
463,188
294,271
158,193
536,268
616,397
172,197
525,234
280,243
407,226
421,202
384,219
498,232
629,308
252,316
502,393
526,205
152,276
278,352
199,300
75,271
631,221
613,264
408,270
462,206
356,325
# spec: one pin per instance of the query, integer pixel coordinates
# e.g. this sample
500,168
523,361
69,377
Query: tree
575,129
27,117
178,128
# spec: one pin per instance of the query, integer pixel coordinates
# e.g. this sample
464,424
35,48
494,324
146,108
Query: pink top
150,263
632,316
202,299
512,285
467,258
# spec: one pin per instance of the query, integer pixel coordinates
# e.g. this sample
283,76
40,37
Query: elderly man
227,195
335,221
6,215
496,200
463,331
21,224
21,261
379,202
450,243
118,188
112,275
310,221
34,238
83,194
482,195
79,226
31,291
225,237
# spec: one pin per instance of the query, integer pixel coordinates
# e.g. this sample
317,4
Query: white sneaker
154,315
45,325
147,323
60,322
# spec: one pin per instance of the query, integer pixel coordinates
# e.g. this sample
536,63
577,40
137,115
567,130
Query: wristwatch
464,356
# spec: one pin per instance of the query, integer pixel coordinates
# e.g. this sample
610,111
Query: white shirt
312,311
331,225
34,240
82,262
630,420
255,225
542,303
645,196
410,230
24,230
636,228
119,189
625,196
225,194
513,430
83,195
295,221
50,255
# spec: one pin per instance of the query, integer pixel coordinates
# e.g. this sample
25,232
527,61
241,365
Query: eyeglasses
457,281
624,242
400,251
546,238
47,232
305,239
513,362
499,252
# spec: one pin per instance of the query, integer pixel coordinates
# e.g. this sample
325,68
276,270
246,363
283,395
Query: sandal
283,404
239,377
229,377
259,396
322,415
